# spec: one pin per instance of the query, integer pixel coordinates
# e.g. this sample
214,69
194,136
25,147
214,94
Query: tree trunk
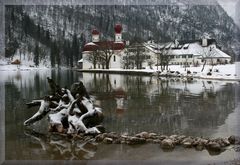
205,61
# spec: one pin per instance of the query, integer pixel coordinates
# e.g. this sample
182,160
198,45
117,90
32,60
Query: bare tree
94,58
127,60
164,57
137,54
107,51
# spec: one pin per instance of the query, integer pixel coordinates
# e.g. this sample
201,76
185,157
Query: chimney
176,43
204,42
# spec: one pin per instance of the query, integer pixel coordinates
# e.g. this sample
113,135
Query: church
103,54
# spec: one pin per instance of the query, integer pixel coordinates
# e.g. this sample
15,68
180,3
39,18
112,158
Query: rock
100,137
187,140
187,145
177,72
232,139
203,141
112,135
143,135
149,140
124,136
199,147
181,138
209,73
157,141
167,144
196,142
214,146
173,137
123,142
226,142
107,140
222,142
162,137
117,141
135,140
152,135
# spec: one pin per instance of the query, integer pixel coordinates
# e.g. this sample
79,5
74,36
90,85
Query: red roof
118,28
95,32
90,47
104,45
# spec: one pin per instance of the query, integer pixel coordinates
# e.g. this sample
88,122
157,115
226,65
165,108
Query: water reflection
167,106
62,147
131,104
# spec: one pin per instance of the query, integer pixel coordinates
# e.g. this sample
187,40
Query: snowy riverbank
219,72
26,63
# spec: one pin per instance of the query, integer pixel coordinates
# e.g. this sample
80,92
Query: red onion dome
95,32
118,28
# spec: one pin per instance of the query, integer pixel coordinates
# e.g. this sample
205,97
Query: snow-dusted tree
207,53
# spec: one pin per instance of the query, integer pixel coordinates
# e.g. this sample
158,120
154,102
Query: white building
191,52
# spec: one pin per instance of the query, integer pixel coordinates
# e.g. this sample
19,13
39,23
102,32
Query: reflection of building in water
165,106
120,97
115,81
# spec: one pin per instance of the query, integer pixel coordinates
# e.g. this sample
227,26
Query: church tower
118,33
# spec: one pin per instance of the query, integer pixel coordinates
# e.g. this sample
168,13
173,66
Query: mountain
59,32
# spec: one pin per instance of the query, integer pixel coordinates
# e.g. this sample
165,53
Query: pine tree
75,48
53,54
36,54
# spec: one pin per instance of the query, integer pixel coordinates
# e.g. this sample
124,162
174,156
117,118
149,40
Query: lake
130,104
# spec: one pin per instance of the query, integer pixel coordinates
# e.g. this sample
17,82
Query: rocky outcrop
214,146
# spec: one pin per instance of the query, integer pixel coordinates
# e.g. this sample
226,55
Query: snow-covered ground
27,63
226,72
219,72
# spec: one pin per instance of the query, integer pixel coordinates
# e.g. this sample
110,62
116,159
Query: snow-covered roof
193,48
80,60
104,45
91,43
220,54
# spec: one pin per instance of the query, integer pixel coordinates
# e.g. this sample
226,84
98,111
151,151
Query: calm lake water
131,104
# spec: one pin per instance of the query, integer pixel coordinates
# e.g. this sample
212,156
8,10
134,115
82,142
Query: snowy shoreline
229,72
219,72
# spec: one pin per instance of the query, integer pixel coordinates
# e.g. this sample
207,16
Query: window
114,58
